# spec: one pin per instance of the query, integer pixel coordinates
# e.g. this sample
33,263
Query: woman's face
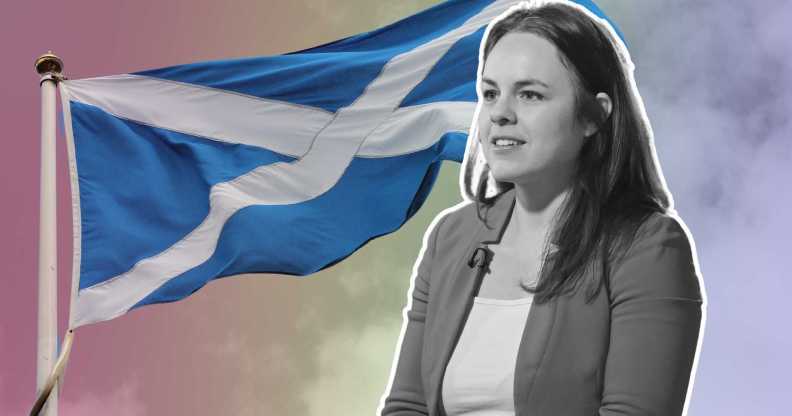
528,125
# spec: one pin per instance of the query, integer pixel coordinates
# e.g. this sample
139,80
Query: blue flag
283,164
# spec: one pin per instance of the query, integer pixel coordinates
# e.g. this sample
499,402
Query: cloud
352,370
122,401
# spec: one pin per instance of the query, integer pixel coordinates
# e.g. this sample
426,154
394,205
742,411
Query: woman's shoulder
660,260
665,229
455,222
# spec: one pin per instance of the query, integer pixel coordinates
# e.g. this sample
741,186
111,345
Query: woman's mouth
506,142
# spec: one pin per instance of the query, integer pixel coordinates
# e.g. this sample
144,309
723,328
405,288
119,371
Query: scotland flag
283,164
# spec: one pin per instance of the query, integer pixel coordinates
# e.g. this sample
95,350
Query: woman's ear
604,101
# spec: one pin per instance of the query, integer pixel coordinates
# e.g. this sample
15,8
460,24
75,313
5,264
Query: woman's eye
531,95
489,95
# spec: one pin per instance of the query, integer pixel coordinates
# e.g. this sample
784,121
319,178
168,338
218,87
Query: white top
479,379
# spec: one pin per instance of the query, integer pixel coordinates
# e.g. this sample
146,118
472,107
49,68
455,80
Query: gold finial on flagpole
49,63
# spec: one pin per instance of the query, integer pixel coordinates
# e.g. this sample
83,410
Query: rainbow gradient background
716,78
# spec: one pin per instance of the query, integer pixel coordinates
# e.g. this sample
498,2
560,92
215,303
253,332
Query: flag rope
55,375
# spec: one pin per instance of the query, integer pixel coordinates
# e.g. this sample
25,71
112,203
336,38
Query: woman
568,287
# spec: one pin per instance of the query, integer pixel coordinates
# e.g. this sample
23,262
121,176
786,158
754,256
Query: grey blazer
628,352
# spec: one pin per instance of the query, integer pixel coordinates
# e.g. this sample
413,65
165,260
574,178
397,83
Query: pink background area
715,79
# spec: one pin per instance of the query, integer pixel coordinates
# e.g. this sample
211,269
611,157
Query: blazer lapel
533,346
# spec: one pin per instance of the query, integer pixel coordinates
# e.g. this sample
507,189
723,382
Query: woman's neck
538,203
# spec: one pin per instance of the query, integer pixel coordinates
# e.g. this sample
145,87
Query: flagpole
49,67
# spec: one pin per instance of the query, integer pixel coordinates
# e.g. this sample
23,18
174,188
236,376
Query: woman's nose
502,113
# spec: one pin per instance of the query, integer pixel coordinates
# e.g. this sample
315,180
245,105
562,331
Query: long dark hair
617,184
